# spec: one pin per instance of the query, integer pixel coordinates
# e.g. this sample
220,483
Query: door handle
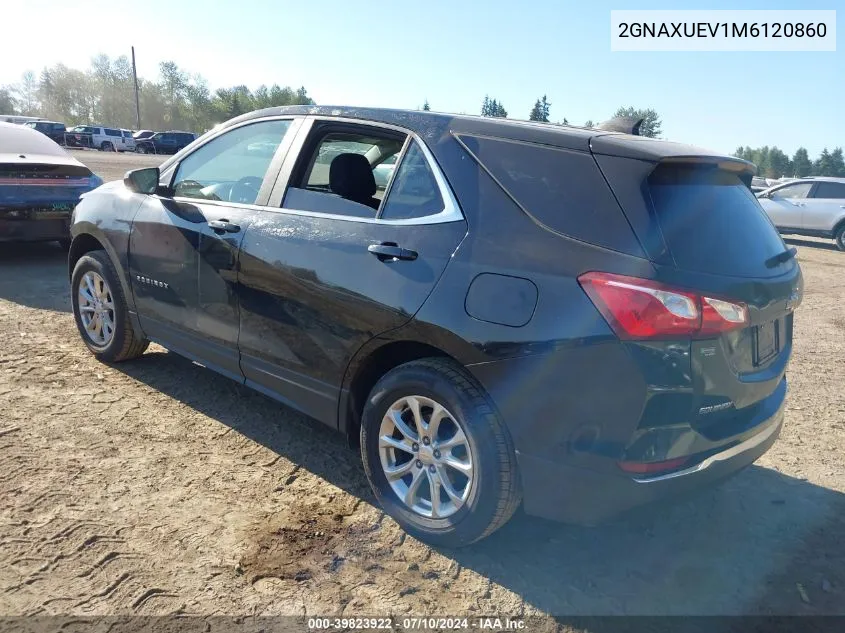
223,226
390,251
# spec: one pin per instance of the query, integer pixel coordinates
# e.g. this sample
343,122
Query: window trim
277,178
451,210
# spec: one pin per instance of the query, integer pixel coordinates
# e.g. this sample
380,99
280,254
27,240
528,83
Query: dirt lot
156,487
113,165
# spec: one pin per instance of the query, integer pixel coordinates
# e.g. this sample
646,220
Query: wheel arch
368,366
88,238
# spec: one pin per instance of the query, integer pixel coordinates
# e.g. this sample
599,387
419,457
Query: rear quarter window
562,189
712,222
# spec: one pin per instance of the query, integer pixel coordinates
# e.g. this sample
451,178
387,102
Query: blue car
40,184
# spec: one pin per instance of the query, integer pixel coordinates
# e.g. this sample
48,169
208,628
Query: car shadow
794,241
35,275
744,547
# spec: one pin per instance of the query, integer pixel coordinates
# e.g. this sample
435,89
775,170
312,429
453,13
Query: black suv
52,129
164,142
579,320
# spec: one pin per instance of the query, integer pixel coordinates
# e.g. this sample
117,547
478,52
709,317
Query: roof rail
626,125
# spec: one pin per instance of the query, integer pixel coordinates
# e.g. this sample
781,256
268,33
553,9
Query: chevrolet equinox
578,320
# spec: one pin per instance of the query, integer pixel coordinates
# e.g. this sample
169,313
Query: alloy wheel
426,457
96,308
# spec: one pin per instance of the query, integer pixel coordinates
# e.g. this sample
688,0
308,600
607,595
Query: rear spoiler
625,125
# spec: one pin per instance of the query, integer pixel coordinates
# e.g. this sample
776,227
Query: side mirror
142,180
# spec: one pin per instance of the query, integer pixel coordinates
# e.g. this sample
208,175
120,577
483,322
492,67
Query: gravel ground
113,165
158,487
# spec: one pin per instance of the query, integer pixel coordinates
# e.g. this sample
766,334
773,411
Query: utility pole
137,102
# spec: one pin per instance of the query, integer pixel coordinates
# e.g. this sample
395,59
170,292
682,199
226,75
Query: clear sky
396,53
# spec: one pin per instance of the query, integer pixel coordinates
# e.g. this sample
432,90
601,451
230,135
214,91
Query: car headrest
351,177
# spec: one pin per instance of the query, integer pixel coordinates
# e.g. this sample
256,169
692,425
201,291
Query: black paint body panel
294,305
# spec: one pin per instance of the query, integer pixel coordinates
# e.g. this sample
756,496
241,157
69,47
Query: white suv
810,206
107,138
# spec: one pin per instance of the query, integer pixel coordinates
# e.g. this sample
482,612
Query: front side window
798,190
830,191
111,132
414,193
232,166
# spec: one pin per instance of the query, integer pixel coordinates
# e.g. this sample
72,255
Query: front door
785,205
341,262
184,250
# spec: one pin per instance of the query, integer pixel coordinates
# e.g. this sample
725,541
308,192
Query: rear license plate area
766,342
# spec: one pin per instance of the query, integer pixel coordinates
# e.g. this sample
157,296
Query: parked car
40,184
384,170
127,141
809,206
759,184
164,143
107,139
538,314
18,119
54,130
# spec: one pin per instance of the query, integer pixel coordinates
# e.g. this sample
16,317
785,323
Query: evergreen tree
837,165
779,164
536,113
589,123
801,164
426,107
540,111
823,165
485,106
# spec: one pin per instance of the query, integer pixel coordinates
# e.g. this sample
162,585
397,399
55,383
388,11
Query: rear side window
111,132
562,189
711,222
414,193
830,190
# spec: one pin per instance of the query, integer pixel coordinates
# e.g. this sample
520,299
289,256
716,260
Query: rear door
826,207
341,260
184,249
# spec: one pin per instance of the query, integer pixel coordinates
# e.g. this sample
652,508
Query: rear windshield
712,222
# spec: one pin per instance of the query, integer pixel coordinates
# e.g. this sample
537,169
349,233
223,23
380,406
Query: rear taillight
643,309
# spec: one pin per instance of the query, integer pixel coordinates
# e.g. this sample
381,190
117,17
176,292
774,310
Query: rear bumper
35,230
575,494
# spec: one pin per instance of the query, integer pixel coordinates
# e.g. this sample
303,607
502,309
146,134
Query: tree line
651,126
178,99
104,94
772,162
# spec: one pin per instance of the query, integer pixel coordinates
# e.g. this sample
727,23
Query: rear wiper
780,258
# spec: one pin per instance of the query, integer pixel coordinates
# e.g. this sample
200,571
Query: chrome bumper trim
733,451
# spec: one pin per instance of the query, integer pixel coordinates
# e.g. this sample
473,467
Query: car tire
470,507
122,343
840,237
106,146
